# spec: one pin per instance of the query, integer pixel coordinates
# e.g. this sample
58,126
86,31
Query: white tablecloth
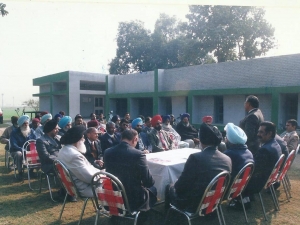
167,166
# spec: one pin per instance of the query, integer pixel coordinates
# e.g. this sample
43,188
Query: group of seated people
119,146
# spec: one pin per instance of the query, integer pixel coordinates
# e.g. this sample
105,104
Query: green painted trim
154,94
50,78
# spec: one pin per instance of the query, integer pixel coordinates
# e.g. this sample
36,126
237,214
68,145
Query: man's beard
186,124
81,147
158,127
25,131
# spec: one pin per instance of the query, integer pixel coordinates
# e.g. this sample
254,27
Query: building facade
213,89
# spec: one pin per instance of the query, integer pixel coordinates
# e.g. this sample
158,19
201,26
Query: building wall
133,83
178,105
45,103
202,106
59,103
45,88
265,105
234,110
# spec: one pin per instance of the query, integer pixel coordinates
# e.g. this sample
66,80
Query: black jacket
130,166
88,155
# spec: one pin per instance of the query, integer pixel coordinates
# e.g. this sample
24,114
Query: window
98,102
219,109
92,86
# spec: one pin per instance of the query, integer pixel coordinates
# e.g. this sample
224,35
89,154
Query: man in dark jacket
130,166
265,158
110,138
251,122
186,130
199,170
93,148
48,146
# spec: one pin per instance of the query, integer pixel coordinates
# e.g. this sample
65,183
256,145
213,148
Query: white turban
45,118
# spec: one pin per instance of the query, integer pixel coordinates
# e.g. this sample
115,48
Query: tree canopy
212,33
2,10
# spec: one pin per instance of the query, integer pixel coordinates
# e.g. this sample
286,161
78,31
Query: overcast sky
42,38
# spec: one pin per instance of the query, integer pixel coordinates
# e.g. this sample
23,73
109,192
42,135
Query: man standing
17,139
291,137
6,134
186,130
93,149
199,170
143,142
265,158
250,123
159,139
110,138
48,146
130,166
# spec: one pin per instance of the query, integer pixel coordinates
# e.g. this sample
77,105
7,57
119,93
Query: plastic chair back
287,165
240,181
30,154
214,193
274,175
65,178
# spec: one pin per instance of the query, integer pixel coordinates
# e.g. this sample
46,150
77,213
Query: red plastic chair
211,199
31,158
238,185
282,176
272,178
110,197
67,182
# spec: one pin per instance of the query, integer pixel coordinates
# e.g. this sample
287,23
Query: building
212,89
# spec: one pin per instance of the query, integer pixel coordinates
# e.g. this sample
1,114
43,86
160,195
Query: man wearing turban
17,139
65,124
45,118
199,170
159,139
143,142
186,130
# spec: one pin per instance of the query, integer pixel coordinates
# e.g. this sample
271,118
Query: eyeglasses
139,125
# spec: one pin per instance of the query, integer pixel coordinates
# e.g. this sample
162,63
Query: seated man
291,137
175,137
159,139
45,118
17,139
116,119
143,142
124,125
35,123
110,138
130,166
265,158
186,130
147,126
48,146
238,152
78,120
173,122
101,119
71,155
199,170
6,134
65,124
93,148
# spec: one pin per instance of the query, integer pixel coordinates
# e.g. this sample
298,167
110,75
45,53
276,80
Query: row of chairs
110,196
215,191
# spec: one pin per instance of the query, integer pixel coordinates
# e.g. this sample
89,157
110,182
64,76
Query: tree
230,32
167,47
32,103
2,10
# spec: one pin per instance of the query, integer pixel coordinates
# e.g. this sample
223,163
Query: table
167,166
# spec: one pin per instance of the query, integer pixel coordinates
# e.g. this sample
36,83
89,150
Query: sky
39,38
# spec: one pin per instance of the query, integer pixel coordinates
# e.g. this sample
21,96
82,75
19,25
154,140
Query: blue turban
185,115
58,115
22,120
165,118
64,121
46,117
137,121
234,134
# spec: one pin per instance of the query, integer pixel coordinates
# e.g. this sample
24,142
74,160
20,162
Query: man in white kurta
71,155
